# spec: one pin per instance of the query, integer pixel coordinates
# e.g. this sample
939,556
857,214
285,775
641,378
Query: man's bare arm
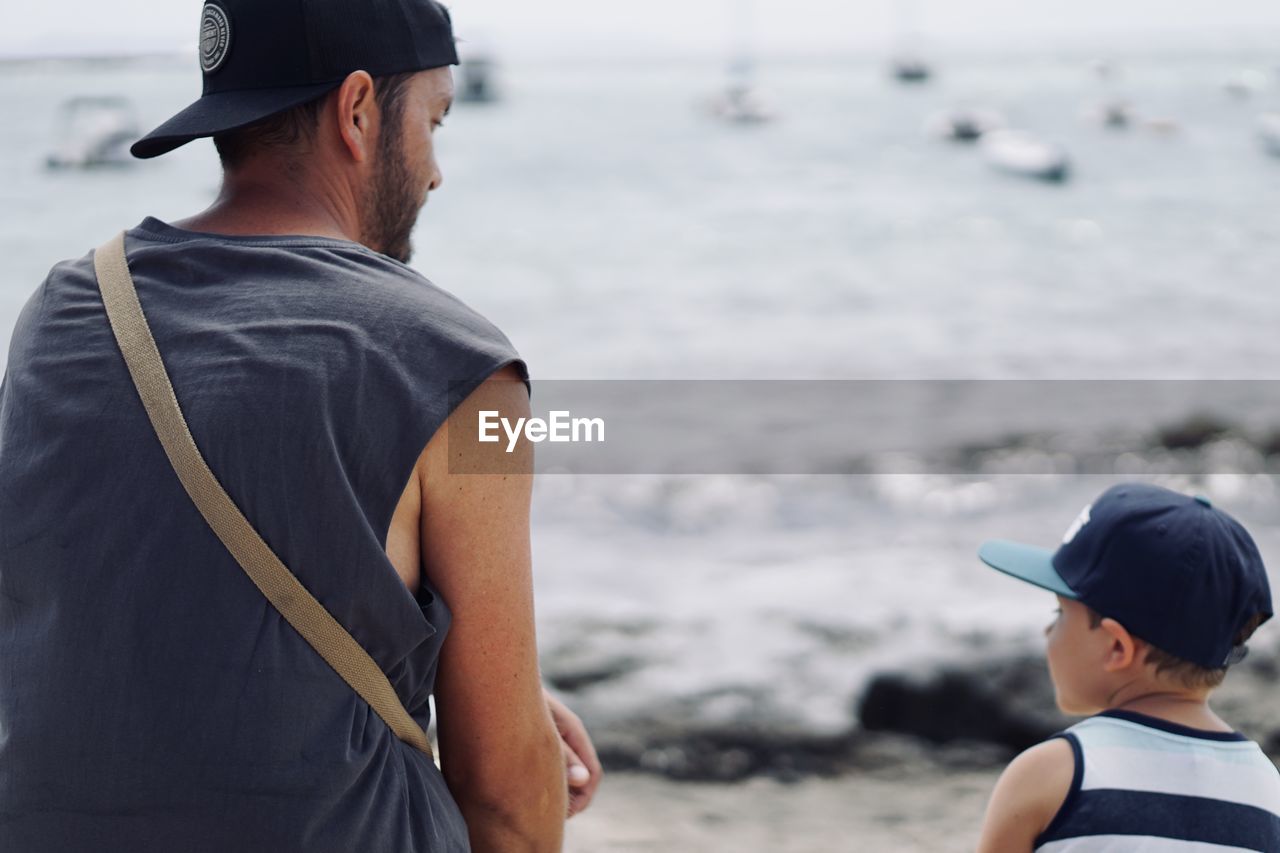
499,749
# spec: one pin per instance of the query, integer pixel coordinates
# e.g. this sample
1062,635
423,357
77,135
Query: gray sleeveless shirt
150,698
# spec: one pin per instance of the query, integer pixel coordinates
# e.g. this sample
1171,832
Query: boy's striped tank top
1143,785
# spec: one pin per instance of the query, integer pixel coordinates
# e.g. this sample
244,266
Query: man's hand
582,766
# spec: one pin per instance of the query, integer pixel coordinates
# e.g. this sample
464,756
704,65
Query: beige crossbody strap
259,562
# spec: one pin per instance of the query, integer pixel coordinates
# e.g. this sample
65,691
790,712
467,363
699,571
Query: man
151,699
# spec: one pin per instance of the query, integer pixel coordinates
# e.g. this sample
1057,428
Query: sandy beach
867,811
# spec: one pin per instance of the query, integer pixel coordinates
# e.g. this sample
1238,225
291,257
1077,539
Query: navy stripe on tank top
150,698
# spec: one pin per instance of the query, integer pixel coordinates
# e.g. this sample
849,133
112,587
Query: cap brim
1025,562
222,111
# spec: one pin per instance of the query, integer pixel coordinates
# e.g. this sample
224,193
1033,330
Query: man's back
150,697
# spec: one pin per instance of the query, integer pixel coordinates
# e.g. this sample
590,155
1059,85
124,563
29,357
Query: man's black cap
260,57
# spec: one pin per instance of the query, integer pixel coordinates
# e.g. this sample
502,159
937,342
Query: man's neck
253,204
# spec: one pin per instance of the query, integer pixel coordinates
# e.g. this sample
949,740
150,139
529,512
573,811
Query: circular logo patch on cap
215,38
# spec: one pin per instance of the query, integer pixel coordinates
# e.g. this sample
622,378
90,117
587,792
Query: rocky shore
969,717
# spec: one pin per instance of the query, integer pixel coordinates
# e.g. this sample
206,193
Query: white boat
1021,153
95,131
1269,133
964,125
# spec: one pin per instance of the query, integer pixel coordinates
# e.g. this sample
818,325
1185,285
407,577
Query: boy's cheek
1062,693
1066,702
1060,675
1071,690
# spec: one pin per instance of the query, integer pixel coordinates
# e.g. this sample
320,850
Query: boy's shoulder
1029,794
1039,796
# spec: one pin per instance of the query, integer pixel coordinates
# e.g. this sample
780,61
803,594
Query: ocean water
615,231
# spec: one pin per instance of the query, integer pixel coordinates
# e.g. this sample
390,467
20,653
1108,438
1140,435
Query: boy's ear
1124,648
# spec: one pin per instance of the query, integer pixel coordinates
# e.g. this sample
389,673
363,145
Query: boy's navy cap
1173,569
260,57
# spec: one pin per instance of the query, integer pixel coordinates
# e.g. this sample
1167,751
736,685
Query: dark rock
1195,431
728,755
906,756
1008,704
571,679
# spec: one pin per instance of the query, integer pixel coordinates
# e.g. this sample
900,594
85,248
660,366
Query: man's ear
1123,650
357,115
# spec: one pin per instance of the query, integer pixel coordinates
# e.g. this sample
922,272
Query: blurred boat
742,103
1269,133
910,69
476,79
907,64
1245,83
95,131
1163,125
1021,153
964,125
1103,69
1116,114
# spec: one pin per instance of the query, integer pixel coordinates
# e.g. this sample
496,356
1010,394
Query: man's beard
391,205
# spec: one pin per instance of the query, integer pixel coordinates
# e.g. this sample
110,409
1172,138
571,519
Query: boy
1158,594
